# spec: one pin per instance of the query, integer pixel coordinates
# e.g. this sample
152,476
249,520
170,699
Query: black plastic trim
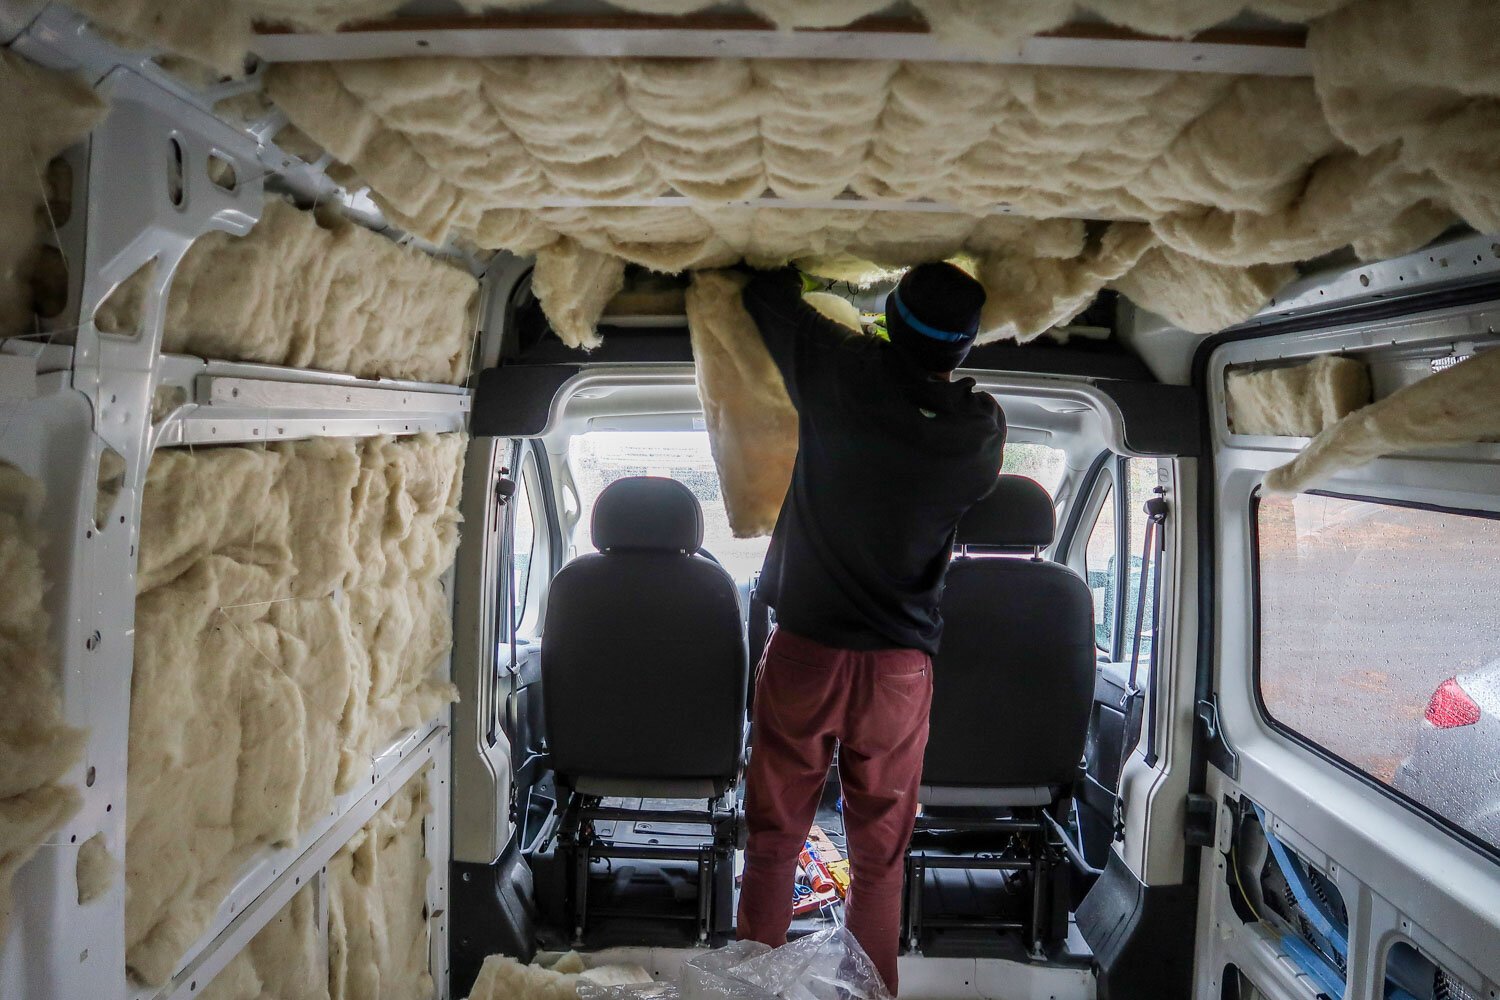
1142,936
1463,836
1160,420
516,400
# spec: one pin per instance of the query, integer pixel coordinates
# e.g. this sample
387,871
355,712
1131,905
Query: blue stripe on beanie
947,336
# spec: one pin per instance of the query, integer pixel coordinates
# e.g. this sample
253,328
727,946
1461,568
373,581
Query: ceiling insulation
1225,172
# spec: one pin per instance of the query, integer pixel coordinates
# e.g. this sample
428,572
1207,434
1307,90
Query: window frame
1316,749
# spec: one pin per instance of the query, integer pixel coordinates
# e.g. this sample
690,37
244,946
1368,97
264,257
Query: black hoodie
888,461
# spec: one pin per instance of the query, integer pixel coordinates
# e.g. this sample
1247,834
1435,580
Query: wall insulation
376,946
42,113
1297,400
290,621
285,961
1455,406
36,748
377,906
319,291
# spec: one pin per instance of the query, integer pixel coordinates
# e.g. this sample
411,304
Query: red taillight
1451,707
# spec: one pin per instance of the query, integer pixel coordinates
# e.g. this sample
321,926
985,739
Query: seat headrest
1018,516
647,514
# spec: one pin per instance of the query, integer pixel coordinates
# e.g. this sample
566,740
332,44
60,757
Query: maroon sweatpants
873,705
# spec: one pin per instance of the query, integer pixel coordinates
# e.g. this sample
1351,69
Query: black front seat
1013,684
644,663
644,677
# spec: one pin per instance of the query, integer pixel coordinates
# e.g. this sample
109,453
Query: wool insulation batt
36,748
43,112
290,621
322,292
284,961
377,905
1298,400
752,425
1452,407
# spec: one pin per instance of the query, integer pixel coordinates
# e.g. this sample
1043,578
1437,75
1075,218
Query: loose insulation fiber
36,747
503,978
290,619
316,292
1452,407
42,113
1298,400
97,869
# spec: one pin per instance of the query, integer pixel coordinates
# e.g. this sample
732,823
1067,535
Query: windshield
598,458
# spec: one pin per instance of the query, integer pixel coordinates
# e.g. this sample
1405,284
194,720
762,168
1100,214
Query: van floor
654,904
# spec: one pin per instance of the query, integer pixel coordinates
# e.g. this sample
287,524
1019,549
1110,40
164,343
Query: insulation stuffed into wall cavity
43,113
1298,400
284,961
322,293
377,904
1452,407
36,747
290,621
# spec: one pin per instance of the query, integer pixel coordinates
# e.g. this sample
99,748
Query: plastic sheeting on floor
290,619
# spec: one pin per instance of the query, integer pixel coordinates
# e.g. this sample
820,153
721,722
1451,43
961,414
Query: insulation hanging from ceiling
37,749
43,113
1455,406
752,425
317,292
291,619
480,146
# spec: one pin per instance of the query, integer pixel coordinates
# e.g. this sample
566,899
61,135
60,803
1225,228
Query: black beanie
932,316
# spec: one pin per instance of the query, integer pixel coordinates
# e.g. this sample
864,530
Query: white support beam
1267,53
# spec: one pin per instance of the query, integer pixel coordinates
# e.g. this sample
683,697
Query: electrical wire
1234,861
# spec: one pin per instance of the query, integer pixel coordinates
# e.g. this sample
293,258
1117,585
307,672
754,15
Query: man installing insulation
891,453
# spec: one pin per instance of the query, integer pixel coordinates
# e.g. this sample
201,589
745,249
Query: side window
1099,561
1379,643
1140,479
529,543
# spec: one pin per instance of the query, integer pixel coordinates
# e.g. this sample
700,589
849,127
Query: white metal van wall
1339,612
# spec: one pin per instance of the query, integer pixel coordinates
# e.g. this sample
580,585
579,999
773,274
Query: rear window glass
598,458
1380,643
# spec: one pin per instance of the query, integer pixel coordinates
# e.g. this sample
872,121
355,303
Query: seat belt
1138,704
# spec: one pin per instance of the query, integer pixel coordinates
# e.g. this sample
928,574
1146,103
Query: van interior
349,650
